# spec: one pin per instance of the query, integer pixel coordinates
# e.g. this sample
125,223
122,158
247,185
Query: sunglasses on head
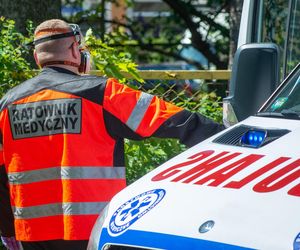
75,32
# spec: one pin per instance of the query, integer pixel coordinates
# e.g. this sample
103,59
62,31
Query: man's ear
36,58
75,50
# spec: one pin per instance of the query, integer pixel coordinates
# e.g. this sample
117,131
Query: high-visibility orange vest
62,137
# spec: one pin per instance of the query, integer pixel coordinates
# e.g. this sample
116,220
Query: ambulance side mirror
254,77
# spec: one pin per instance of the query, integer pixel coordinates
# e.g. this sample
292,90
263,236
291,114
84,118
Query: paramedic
62,135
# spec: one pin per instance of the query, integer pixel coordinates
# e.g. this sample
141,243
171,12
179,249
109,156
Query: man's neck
67,67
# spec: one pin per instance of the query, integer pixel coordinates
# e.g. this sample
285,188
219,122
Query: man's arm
7,228
6,216
190,128
136,115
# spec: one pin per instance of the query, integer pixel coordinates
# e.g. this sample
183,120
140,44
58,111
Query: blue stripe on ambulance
163,241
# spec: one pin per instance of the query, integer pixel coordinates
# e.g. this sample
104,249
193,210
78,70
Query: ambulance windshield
286,103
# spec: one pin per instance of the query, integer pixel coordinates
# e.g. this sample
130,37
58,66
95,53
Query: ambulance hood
219,194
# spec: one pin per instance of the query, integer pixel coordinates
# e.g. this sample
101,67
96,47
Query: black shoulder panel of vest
88,87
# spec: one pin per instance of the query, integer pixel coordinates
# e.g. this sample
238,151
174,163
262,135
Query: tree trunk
35,10
235,11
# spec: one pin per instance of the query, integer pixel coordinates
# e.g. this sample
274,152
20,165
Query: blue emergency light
253,138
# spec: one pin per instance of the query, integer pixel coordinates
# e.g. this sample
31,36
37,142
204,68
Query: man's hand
11,243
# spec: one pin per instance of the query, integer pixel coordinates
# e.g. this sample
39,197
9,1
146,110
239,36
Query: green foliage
13,67
110,61
144,156
207,104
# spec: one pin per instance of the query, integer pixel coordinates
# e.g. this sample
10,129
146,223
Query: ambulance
239,189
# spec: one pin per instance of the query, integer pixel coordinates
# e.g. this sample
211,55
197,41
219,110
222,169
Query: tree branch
180,8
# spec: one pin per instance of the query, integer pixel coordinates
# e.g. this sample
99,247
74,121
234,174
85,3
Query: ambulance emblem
134,209
297,242
206,226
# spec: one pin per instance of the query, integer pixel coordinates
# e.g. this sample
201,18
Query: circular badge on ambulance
134,209
297,242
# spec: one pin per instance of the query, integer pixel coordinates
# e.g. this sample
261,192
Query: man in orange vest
62,135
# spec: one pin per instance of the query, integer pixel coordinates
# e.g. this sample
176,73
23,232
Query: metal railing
178,74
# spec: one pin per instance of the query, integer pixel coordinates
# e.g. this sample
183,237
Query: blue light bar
253,138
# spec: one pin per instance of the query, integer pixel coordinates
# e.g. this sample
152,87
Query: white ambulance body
239,189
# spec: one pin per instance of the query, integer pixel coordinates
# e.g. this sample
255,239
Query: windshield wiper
270,114
286,113
290,113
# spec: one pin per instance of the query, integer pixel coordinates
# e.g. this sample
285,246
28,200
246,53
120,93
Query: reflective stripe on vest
66,173
139,111
66,208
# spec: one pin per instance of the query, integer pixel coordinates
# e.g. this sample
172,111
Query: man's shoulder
15,92
87,86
